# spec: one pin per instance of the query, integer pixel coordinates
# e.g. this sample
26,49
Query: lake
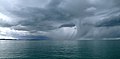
59,49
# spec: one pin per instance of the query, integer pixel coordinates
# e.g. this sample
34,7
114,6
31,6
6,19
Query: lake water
64,49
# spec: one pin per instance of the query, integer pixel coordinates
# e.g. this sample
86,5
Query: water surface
64,49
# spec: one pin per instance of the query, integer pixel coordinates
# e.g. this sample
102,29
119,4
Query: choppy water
53,49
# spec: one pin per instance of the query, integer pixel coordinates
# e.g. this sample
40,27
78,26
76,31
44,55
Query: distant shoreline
23,39
58,40
8,39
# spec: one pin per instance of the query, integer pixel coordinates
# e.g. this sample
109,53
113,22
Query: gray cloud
41,18
112,21
104,32
92,17
67,25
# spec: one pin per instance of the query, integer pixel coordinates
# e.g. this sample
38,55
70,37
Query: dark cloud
67,25
109,22
42,19
93,18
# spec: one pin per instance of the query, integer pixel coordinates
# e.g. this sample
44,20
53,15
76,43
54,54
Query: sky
59,19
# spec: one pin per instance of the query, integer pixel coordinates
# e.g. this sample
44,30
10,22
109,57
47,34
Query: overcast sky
92,18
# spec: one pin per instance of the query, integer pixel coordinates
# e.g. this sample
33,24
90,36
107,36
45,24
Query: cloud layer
93,18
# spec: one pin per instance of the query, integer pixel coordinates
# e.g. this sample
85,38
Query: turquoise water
53,49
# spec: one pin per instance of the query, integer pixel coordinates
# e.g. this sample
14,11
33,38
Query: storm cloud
92,18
